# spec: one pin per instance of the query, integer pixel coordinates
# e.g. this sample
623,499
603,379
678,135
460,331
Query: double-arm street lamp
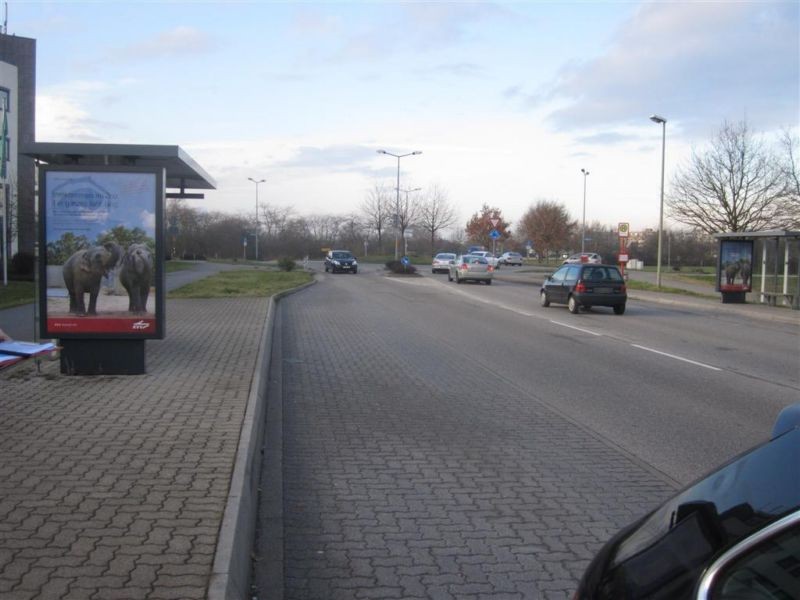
256,182
663,121
583,227
397,201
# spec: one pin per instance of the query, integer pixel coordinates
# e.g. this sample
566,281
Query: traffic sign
494,222
624,229
405,261
494,234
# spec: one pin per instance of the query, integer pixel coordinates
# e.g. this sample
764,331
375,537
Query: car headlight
355,262
336,262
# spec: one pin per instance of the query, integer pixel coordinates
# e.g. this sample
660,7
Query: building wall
21,53
9,97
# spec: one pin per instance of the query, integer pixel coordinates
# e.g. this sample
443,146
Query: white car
490,258
510,258
441,262
586,257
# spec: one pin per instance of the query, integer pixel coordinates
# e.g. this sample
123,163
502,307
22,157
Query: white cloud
695,63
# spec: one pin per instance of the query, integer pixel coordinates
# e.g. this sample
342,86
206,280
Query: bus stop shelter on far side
773,238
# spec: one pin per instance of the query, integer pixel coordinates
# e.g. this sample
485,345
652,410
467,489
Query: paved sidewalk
116,486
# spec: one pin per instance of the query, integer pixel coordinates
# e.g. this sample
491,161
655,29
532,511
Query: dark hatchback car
585,285
732,535
341,261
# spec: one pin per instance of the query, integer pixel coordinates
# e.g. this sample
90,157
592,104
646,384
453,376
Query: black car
340,261
732,535
585,285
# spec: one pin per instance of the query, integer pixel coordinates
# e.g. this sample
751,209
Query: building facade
18,92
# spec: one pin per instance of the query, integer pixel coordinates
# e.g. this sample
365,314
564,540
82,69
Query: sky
507,101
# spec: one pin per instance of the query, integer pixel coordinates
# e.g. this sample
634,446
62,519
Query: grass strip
242,284
646,286
16,293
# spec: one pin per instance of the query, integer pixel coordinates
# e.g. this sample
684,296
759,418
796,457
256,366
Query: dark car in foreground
584,286
732,535
341,261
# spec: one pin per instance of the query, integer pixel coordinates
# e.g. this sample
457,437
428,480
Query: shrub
395,266
287,264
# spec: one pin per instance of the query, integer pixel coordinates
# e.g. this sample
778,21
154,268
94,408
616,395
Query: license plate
603,290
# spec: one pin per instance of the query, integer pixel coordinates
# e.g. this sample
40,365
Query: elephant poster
735,266
101,267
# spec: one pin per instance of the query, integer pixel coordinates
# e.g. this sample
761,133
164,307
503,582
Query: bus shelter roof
182,170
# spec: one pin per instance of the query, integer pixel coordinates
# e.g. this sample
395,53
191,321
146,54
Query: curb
231,570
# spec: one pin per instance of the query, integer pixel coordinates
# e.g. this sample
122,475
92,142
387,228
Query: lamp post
405,239
397,201
663,121
256,182
583,226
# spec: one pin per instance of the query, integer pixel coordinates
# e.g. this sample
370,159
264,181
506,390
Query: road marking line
576,328
694,362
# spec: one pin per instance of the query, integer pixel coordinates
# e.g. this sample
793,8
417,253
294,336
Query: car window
559,275
572,275
770,571
342,255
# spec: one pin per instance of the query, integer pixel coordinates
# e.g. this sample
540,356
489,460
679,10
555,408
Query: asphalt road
448,441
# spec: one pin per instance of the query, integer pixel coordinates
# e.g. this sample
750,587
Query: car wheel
619,309
458,279
488,282
449,276
573,305
326,268
355,271
543,299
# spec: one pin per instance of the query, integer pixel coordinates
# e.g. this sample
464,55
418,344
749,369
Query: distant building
18,92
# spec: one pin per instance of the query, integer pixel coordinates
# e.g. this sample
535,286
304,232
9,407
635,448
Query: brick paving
115,486
402,481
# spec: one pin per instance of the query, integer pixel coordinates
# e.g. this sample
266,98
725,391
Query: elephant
83,272
731,270
135,276
745,271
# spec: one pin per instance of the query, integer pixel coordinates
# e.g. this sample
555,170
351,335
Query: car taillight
491,268
623,289
580,287
464,267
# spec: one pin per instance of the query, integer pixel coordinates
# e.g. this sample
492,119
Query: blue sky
507,101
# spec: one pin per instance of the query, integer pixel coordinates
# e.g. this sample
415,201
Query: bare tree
790,205
377,210
548,226
406,211
436,212
735,185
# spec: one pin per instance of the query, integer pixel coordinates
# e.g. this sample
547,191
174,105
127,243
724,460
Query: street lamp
405,240
663,121
583,227
397,201
256,182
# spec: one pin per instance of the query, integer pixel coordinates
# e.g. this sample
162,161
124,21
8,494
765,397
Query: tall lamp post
663,121
257,182
397,201
583,227
405,240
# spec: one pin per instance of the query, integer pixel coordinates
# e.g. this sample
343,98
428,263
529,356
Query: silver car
591,258
441,262
470,267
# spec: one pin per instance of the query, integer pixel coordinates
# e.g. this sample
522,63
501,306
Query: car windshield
342,255
445,256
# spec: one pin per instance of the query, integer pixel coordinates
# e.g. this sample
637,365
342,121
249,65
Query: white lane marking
693,362
576,328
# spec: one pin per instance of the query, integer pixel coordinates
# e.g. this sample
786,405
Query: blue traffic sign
405,261
494,234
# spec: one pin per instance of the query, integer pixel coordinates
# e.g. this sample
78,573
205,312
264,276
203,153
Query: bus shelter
101,233
737,261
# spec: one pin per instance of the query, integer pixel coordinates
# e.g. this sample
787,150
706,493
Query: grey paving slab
402,479
115,486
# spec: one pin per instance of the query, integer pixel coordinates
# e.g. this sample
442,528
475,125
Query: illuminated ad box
735,266
101,247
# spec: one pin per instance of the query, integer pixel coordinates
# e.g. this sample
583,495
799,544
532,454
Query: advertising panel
101,268
735,266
